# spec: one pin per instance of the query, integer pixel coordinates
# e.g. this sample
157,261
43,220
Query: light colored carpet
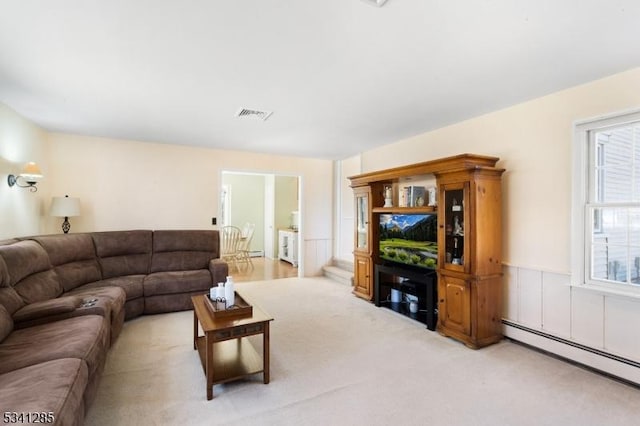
339,360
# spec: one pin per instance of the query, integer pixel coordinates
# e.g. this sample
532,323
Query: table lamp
65,207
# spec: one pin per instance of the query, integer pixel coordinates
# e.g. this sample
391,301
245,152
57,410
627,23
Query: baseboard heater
579,346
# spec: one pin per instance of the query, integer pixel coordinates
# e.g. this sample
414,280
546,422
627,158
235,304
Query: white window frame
583,180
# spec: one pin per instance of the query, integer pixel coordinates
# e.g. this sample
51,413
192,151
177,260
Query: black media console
420,283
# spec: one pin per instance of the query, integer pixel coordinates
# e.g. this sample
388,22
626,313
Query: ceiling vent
378,3
253,113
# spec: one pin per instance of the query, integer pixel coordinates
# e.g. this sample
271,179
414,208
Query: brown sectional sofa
64,299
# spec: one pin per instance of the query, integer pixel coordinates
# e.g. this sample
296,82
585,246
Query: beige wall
534,141
20,142
129,185
136,185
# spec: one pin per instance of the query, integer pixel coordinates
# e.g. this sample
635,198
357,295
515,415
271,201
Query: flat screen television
409,239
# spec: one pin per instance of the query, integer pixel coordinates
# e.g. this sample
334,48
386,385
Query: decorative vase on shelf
388,197
432,196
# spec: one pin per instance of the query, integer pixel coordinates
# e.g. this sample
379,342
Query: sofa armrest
219,270
47,308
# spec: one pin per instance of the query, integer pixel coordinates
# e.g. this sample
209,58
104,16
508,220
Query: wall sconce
65,207
31,175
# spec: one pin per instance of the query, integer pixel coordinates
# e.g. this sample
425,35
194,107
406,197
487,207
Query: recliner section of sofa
53,388
74,262
188,257
125,260
64,299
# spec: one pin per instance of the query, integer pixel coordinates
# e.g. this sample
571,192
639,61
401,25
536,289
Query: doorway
270,201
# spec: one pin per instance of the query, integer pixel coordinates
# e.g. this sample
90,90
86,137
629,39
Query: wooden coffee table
225,351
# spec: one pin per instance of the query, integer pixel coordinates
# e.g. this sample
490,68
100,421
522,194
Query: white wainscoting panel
510,293
317,253
530,297
587,317
622,326
597,329
556,304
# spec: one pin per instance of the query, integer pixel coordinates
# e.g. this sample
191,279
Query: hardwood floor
263,269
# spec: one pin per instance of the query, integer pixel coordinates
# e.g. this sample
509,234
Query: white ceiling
341,76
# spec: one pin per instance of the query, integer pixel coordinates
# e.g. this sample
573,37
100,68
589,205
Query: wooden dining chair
245,244
230,244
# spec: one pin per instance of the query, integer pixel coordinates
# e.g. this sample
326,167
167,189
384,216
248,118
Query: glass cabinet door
455,219
362,221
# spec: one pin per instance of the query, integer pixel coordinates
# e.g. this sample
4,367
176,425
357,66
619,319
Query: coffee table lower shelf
232,359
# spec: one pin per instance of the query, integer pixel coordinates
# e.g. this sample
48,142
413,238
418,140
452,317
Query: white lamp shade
65,206
31,172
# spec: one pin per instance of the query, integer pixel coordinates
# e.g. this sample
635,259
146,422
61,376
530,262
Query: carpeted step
338,274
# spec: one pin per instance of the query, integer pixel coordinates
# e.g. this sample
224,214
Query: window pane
635,265
615,184
617,165
634,243
636,164
599,265
614,205
634,227
612,242
612,225
610,264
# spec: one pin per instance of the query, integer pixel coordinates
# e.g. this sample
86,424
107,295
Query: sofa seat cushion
131,284
55,387
128,289
177,282
84,337
114,296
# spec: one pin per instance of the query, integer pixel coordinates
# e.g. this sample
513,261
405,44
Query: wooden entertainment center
469,238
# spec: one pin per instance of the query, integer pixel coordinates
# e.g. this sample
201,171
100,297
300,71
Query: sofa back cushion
123,253
73,257
4,274
9,299
30,272
6,323
184,250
